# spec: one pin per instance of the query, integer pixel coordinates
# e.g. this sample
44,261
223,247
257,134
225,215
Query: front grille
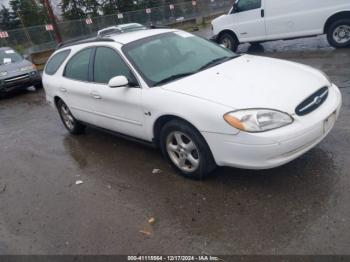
312,102
17,78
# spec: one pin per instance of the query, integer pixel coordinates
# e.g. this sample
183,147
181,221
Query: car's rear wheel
229,41
338,33
71,124
186,150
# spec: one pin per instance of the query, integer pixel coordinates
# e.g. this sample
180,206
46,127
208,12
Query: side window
56,61
109,64
78,66
245,5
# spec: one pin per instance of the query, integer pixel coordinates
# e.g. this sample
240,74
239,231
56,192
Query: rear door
75,85
248,20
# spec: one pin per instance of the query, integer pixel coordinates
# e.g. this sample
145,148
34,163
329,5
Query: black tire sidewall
234,42
78,128
331,29
206,164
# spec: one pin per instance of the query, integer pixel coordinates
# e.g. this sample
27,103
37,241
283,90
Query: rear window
56,61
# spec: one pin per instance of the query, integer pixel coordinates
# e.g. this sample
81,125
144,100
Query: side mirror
235,7
118,81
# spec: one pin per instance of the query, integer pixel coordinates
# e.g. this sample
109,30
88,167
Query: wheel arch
334,17
162,120
56,99
228,31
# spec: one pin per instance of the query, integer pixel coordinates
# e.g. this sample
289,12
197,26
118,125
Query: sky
4,2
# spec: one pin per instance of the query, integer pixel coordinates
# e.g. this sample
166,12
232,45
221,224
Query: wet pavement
300,208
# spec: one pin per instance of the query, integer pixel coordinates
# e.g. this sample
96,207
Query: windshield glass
9,56
170,56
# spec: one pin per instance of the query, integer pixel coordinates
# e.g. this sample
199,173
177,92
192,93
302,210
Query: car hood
14,68
253,82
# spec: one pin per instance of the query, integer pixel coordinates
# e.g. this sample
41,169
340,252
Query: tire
338,33
229,41
186,150
71,124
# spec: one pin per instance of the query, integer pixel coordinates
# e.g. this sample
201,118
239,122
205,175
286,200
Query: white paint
203,99
283,19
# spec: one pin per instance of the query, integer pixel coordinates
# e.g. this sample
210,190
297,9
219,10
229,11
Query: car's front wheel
71,124
338,33
186,149
229,41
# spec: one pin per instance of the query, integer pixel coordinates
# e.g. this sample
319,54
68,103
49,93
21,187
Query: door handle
262,13
95,95
63,89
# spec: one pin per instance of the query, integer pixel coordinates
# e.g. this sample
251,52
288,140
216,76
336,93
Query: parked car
202,104
119,29
16,73
257,21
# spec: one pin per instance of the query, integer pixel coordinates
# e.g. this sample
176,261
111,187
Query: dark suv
16,73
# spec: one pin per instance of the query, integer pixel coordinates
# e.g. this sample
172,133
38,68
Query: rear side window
109,64
77,67
56,61
245,5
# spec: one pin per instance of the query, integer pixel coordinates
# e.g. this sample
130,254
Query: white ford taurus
202,104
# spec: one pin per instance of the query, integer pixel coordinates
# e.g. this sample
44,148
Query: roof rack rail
158,27
84,41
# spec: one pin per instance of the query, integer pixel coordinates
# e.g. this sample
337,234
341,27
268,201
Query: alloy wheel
341,34
67,117
182,151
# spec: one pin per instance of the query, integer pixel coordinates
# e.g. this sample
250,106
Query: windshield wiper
173,77
216,62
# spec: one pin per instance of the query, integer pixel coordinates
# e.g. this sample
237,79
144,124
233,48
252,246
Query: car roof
128,25
121,39
137,35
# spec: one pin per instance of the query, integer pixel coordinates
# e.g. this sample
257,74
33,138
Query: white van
256,21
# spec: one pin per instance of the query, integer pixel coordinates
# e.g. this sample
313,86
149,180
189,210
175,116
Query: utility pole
53,20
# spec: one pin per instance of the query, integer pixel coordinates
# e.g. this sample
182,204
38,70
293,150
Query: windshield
170,56
9,56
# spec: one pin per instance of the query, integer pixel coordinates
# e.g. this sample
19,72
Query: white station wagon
202,104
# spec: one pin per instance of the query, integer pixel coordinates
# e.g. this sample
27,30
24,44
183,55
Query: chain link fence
38,38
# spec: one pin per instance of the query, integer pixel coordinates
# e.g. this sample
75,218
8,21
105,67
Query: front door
118,109
248,20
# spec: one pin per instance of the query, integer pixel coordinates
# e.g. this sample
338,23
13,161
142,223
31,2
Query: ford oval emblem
318,100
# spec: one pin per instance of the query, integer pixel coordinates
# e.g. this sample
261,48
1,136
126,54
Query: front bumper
19,82
276,147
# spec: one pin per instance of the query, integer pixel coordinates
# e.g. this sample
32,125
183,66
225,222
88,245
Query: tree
8,20
73,9
109,7
30,13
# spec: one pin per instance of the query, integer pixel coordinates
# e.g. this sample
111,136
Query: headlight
257,120
26,68
4,73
